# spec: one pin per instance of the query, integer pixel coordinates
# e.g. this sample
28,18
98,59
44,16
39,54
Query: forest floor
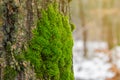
100,64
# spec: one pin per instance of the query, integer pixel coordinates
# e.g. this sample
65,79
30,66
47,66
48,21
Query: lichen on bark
10,11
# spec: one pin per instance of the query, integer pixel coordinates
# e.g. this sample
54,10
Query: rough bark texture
29,22
15,31
18,19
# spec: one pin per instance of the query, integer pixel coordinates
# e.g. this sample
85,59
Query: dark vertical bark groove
9,28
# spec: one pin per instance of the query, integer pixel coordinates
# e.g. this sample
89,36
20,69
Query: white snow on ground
91,46
116,56
96,67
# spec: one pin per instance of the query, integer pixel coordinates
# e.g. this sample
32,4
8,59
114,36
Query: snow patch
96,67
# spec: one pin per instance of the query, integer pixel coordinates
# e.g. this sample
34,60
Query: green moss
9,73
50,49
72,26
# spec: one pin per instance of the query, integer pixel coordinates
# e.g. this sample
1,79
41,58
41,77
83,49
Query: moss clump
72,26
50,49
9,73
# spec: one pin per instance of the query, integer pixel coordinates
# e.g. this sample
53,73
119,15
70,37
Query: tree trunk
20,17
109,37
83,24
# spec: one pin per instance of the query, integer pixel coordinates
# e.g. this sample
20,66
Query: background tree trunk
83,25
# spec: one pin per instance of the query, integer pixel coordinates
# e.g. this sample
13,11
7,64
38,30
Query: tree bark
29,22
19,19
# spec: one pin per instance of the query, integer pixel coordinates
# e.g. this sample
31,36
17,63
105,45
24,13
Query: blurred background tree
100,18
